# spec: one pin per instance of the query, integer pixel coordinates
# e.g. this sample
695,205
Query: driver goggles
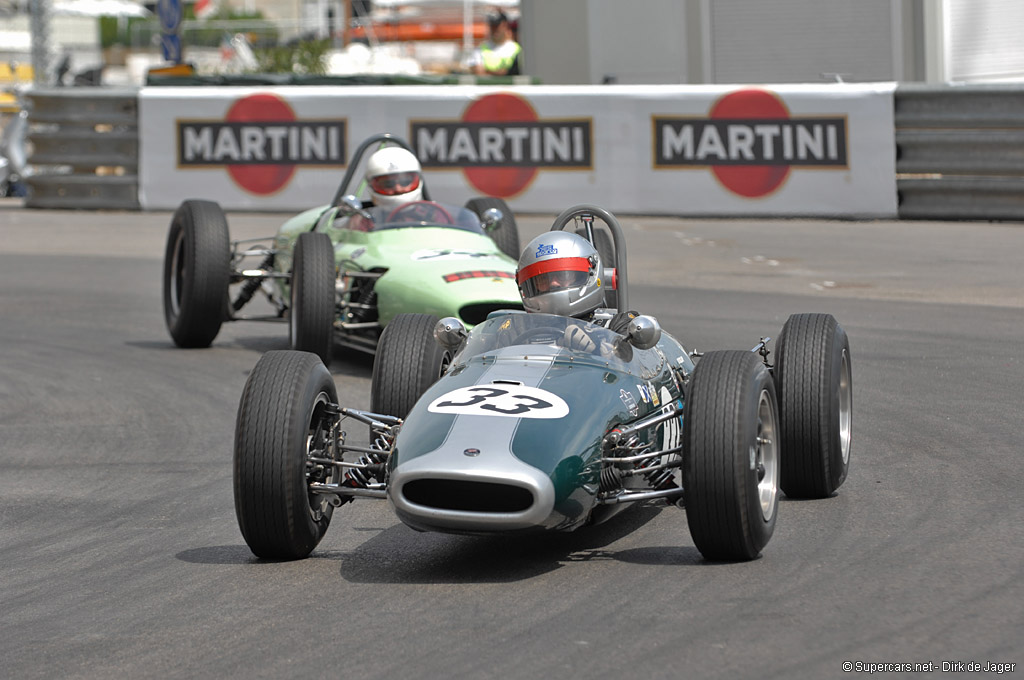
395,183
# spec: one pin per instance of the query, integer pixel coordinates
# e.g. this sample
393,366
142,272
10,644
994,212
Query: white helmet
560,273
394,176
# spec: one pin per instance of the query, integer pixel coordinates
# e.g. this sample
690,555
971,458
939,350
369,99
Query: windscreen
581,340
424,214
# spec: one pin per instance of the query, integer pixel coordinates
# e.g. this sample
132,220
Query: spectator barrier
835,150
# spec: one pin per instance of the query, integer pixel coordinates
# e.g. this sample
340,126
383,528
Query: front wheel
408,361
197,272
283,421
311,319
731,456
813,373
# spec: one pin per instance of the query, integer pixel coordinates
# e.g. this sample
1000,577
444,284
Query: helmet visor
395,183
551,281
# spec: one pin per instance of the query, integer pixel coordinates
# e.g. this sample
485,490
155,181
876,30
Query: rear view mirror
491,219
449,333
644,332
351,205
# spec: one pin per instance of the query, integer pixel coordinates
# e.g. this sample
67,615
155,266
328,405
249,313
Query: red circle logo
507,181
262,179
752,181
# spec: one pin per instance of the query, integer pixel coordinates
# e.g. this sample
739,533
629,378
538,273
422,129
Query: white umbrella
100,8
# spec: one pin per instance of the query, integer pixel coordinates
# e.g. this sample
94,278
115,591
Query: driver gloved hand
577,338
620,322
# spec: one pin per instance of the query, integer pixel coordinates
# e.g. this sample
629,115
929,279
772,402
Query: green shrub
306,57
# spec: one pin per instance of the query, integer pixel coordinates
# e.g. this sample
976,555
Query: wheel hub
765,456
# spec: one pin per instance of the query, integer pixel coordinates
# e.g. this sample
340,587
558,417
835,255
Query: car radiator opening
467,496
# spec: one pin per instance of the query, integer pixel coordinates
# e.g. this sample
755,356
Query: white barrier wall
825,150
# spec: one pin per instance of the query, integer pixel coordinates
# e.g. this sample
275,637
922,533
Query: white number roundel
509,401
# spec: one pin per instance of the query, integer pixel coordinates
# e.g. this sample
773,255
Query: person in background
499,55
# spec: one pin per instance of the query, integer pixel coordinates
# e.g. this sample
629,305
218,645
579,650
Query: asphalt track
120,556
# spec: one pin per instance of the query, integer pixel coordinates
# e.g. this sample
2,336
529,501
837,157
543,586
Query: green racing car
341,272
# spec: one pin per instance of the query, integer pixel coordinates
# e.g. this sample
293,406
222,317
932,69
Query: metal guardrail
960,152
85,148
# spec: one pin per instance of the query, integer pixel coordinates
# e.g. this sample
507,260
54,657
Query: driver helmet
560,273
394,177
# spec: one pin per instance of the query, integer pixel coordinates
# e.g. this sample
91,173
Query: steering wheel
550,333
421,211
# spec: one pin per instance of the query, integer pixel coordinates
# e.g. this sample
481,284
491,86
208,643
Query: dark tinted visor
552,281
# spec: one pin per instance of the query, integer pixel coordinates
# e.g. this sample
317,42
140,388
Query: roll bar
618,239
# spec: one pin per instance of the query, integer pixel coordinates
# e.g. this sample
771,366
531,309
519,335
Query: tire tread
717,493
407,363
809,436
265,464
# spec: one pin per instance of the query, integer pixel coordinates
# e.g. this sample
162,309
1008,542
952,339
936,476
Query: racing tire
313,309
408,361
731,456
197,272
284,405
815,385
506,236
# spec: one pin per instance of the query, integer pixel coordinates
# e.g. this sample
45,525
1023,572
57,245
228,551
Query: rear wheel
197,271
283,420
506,236
813,373
731,456
311,319
408,361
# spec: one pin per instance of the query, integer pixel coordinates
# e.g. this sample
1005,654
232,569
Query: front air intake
467,496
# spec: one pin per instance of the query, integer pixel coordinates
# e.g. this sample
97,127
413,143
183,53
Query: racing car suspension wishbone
619,434
358,476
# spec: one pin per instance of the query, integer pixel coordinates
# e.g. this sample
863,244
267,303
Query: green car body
420,266
417,257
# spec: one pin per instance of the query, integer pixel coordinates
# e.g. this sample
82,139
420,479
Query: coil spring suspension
660,479
612,477
250,286
361,477
367,296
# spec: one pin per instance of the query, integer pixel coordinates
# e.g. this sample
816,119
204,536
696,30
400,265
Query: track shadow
401,555
219,554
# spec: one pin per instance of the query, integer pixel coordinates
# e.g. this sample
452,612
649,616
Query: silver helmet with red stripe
560,273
